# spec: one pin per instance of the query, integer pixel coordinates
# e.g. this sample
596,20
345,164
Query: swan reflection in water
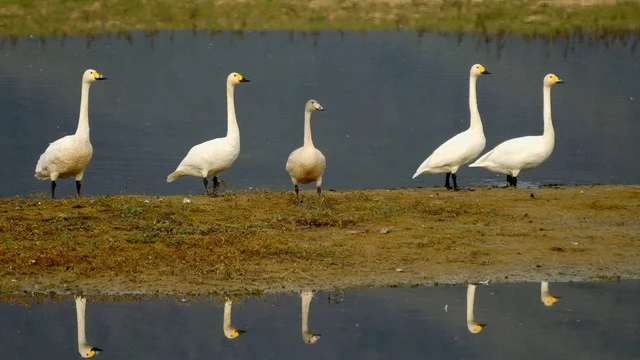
307,336
545,296
85,350
472,324
229,330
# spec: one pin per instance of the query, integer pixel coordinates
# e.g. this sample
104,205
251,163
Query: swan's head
313,105
313,338
91,75
234,79
549,300
551,79
477,70
89,352
475,328
234,334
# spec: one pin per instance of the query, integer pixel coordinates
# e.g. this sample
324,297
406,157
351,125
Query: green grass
528,17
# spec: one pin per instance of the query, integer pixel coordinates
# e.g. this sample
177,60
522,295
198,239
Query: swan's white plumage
230,332
524,153
85,350
212,157
465,146
308,337
473,326
70,155
307,164
545,296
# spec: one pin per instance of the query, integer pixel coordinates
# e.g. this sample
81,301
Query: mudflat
260,241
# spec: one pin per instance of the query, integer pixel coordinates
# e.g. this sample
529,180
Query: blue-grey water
391,98
590,321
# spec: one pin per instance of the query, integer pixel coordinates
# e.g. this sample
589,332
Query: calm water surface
589,321
391,99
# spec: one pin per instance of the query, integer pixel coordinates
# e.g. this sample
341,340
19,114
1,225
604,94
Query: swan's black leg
455,183
514,182
53,189
206,185
298,201
215,185
319,191
446,181
509,177
78,186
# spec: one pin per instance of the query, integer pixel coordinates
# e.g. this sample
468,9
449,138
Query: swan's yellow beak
98,76
242,78
484,70
478,328
557,80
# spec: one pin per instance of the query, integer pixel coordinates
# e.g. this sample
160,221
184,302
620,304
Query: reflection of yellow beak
91,353
550,301
478,328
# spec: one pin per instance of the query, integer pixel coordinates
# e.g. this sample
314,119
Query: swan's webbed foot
512,181
53,189
446,181
78,186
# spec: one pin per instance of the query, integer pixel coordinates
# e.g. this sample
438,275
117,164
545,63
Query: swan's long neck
81,306
83,120
307,129
544,287
471,293
232,124
306,302
226,323
548,124
474,114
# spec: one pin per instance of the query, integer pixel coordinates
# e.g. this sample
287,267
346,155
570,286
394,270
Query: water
589,321
391,99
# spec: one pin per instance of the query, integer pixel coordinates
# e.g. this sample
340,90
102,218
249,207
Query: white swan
462,148
307,164
524,153
545,296
472,325
212,157
307,336
85,350
70,155
229,330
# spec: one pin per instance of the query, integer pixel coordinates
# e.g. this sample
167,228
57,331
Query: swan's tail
174,175
481,162
421,169
42,172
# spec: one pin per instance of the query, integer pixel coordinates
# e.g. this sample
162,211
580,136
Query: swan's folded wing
513,154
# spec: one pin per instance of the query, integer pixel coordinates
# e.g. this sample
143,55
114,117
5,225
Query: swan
70,155
545,296
472,325
229,331
212,157
462,148
307,164
85,350
307,336
524,153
